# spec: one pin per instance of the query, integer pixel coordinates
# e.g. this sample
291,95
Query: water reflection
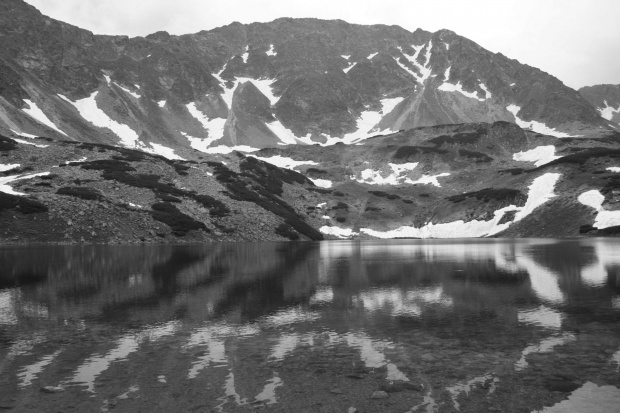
454,319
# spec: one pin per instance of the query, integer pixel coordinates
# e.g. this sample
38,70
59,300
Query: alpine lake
484,325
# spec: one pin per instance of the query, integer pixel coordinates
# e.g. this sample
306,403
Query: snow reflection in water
450,317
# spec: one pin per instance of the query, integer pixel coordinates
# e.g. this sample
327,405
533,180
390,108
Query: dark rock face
606,100
323,76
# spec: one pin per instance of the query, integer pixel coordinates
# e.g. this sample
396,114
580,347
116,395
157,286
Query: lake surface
439,326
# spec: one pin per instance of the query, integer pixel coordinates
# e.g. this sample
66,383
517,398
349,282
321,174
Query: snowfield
322,183
284,162
214,127
37,114
535,125
539,155
604,219
449,87
608,111
338,232
89,110
540,191
7,189
423,69
398,176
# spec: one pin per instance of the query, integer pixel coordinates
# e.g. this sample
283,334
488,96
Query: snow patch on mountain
398,176
346,69
424,69
161,103
245,55
322,183
37,114
7,189
540,155
449,87
428,179
158,149
263,85
284,162
487,93
24,135
614,169
366,123
604,219
540,191
89,110
608,111
286,135
8,167
345,56
271,51
535,125
214,127
124,89
197,143
338,232
29,143
370,56
446,75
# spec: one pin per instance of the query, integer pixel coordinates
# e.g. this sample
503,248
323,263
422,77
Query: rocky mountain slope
606,100
467,180
294,129
263,84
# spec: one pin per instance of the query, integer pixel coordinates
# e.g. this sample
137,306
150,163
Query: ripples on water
441,326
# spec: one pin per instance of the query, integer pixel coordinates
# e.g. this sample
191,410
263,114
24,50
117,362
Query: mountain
467,180
295,129
606,100
263,84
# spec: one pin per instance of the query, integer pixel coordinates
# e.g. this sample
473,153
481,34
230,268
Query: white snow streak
37,114
614,169
398,176
536,126
271,51
24,135
158,149
338,232
345,56
589,398
6,188
214,127
29,143
370,56
89,110
540,155
366,123
8,167
346,69
286,135
540,191
245,55
449,87
134,94
604,219
284,162
424,70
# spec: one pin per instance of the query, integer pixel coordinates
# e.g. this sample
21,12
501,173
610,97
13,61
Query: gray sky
577,41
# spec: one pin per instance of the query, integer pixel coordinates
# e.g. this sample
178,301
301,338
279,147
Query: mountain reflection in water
440,325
